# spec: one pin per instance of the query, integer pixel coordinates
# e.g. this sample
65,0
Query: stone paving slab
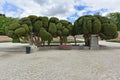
62,64
13,47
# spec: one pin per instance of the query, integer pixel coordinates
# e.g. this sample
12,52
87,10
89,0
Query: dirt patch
6,38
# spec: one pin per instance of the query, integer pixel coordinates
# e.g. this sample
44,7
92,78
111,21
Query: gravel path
61,65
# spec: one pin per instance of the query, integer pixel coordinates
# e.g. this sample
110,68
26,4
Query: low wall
74,47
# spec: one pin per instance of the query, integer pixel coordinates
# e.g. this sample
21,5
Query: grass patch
5,41
69,41
117,41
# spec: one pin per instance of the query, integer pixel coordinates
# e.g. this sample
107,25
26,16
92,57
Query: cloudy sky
63,9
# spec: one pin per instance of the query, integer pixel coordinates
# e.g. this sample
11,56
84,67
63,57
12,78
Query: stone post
94,42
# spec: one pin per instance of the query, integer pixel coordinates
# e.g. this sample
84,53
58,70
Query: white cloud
61,8
111,5
58,8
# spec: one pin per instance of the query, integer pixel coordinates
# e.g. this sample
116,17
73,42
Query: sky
63,9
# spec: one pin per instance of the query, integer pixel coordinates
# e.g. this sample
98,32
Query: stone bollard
94,42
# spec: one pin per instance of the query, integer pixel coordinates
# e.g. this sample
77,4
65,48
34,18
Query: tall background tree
108,28
5,21
115,17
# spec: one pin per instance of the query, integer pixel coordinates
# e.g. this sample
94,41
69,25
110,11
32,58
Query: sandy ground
5,38
62,64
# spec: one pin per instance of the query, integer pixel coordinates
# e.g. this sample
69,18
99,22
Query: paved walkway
62,64
109,44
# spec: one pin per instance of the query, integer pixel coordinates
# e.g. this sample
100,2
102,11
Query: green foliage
16,40
64,22
30,28
108,28
97,24
42,31
10,33
25,20
54,20
32,18
4,22
25,26
52,28
45,22
89,24
115,17
65,32
69,27
2,15
2,31
16,30
20,31
76,30
59,32
14,26
59,26
37,26
47,36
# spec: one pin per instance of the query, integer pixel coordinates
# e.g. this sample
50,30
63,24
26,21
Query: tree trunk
49,42
30,41
87,42
64,40
61,40
75,40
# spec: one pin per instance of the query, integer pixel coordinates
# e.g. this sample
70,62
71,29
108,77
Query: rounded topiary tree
17,31
75,31
108,28
37,25
45,36
53,20
65,28
99,25
45,21
52,29
52,26
88,25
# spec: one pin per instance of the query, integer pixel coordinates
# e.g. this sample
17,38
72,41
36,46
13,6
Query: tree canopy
38,29
115,17
5,21
97,24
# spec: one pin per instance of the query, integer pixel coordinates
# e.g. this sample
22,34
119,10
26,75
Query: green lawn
117,41
5,41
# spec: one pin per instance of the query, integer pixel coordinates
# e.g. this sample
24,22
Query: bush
20,31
